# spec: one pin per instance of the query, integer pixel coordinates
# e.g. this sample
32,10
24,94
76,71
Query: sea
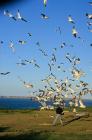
27,103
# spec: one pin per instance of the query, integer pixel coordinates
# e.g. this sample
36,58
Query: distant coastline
30,97
16,97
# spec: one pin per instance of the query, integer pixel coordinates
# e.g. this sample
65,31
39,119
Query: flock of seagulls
55,89
17,17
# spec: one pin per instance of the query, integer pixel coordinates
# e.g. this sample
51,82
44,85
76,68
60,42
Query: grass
37,125
47,136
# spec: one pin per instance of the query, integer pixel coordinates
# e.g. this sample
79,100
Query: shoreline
29,97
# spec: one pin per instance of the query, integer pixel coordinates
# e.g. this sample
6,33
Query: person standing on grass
59,113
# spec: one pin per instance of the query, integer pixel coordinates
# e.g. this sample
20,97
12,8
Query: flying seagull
63,45
70,19
67,56
49,66
11,45
90,30
22,42
7,13
89,23
45,2
36,65
44,16
59,30
38,44
27,85
43,52
90,3
1,42
74,31
89,16
4,73
18,16
29,34
77,73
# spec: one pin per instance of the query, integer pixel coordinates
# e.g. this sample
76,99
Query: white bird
27,85
63,45
45,2
7,13
77,74
70,19
89,16
89,23
44,16
81,104
19,17
74,32
22,42
11,45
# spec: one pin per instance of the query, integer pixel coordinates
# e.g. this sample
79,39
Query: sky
44,32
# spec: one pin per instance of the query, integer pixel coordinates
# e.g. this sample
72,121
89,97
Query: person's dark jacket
59,110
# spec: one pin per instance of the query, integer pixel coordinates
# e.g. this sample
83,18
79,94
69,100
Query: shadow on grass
30,136
47,136
3,129
69,121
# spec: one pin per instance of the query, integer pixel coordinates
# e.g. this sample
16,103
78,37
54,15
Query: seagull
18,16
12,46
81,104
89,16
53,57
21,63
7,13
27,85
76,61
67,56
70,19
29,34
22,42
77,74
38,44
49,66
90,3
84,84
1,42
32,61
59,67
63,45
90,30
36,65
53,75
74,31
43,52
89,23
55,49
59,30
4,73
45,2
91,45
44,16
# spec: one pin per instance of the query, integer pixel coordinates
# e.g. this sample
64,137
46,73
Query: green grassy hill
37,125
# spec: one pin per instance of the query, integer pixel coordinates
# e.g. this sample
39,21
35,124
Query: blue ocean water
9,103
